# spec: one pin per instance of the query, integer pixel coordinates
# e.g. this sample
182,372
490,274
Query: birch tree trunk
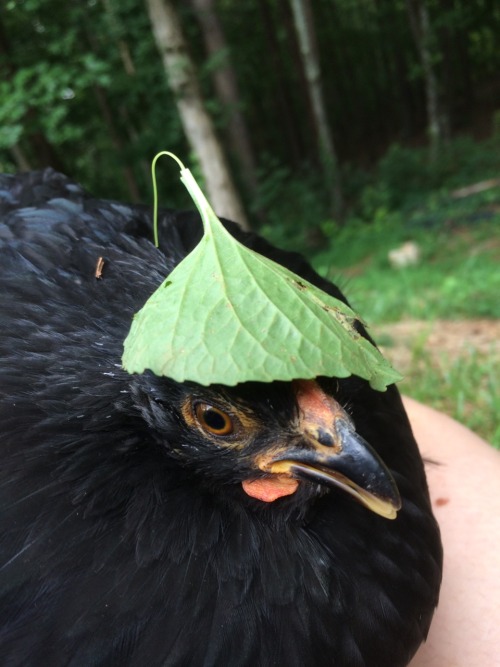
197,125
420,25
109,119
19,157
302,16
283,98
226,86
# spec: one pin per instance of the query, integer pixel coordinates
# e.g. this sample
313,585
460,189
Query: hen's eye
213,420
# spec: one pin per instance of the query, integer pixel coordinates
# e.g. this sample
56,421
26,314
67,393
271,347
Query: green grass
466,388
458,275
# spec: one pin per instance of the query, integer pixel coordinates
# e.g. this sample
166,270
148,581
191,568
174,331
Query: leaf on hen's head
227,314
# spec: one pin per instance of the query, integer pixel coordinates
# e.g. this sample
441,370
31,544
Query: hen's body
126,539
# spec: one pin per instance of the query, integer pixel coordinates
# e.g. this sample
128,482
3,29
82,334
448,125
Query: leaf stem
155,189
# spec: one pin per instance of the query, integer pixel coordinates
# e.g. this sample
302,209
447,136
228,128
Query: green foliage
228,315
403,193
404,176
51,89
293,206
87,77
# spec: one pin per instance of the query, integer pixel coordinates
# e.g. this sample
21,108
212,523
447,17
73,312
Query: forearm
464,480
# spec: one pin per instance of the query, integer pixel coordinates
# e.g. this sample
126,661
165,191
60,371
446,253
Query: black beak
351,465
328,450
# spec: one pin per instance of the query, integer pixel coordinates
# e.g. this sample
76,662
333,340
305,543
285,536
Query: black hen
136,522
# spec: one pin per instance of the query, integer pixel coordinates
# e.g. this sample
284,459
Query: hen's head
283,443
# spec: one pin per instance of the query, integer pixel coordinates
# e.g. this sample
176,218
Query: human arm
463,472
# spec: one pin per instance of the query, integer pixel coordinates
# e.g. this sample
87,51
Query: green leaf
228,315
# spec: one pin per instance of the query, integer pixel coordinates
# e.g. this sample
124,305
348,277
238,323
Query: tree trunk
458,85
226,85
283,101
44,152
305,30
108,117
197,124
305,122
22,162
420,25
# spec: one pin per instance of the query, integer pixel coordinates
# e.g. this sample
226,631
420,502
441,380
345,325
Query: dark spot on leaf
167,283
300,285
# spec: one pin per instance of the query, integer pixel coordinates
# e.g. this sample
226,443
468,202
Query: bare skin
465,492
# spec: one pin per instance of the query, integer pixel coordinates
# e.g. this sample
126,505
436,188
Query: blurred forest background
365,133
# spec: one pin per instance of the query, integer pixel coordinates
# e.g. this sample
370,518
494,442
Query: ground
452,365
442,338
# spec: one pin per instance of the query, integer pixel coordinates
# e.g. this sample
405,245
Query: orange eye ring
213,420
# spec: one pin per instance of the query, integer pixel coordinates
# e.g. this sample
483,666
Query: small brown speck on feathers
99,267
